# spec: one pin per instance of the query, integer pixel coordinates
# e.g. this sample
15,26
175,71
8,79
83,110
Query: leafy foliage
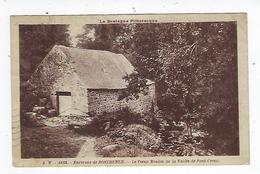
194,66
106,121
103,38
137,85
36,41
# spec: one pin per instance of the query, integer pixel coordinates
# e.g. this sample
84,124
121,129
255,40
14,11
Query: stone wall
79,99
55,73
106,100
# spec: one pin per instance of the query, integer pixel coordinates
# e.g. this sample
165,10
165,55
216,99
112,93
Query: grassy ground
50,142
61,142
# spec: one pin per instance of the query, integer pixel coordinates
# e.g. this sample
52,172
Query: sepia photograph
119,88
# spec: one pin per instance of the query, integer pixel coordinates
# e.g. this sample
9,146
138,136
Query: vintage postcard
130,90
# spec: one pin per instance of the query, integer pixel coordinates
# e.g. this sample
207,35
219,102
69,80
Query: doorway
64,103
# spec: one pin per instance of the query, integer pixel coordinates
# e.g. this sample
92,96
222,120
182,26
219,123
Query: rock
111,148
52,113
141,135
42,116
76,127
80,126
107,126
48,105
43,101
77,123
39,109
30,114
32,119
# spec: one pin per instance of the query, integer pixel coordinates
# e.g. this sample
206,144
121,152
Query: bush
109,121
153,132
28,97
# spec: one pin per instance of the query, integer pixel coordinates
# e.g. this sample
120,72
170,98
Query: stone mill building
79,81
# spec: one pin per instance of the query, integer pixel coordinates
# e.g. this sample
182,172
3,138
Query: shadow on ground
55,142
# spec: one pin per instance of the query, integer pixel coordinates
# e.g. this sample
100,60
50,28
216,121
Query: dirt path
87,149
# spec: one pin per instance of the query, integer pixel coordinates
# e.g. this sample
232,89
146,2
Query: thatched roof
99,69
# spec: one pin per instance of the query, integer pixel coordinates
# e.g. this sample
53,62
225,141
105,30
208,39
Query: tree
194,68
36,41
103,38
